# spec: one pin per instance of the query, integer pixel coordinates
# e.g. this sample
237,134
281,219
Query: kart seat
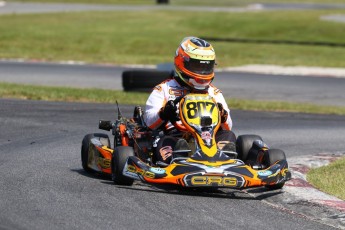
230,150
181,148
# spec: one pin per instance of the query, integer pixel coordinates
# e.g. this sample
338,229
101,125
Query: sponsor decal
262,144
157,170
206,136
104,163
166,152
213,180
264,173
133,169
176,92
284,171
130,174
200,180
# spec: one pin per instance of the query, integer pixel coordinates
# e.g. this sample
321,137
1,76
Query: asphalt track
316,90
42,184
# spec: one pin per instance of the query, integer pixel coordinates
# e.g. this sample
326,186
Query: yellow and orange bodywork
190,173
207,167
100,158
200,116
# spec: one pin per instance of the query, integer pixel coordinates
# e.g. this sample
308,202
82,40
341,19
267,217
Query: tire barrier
143,80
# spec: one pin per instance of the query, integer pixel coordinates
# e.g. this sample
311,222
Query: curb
300,198
334,17
289,70
300,187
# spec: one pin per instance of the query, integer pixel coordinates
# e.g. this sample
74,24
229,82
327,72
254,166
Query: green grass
281,106
184,2
151,37
117,2
330,178
30,92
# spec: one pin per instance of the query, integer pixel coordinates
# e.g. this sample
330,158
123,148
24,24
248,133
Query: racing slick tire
275,155
244,144
118,162
85,146
143,80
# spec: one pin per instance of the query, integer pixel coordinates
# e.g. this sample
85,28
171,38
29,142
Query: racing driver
194,71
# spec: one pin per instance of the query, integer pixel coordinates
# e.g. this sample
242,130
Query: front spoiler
188,173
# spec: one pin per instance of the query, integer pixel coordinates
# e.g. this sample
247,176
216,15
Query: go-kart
197,162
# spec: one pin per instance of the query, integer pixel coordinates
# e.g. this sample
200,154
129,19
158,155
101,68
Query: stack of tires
162,1
143,80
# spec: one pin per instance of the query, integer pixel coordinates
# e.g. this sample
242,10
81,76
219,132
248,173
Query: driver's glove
168,112
223,113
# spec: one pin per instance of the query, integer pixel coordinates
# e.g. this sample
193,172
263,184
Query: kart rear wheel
85,148
244,143
273,156
118,162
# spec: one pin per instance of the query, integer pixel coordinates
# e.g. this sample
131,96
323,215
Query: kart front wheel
118,163
85,148
273,156
244,143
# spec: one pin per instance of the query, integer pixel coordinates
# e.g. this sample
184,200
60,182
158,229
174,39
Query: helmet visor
202,67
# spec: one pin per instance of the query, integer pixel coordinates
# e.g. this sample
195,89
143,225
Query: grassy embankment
151,37
330,178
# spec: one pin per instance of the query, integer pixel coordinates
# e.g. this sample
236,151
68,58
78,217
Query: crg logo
213,181
133,169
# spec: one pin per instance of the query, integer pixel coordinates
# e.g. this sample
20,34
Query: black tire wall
143,80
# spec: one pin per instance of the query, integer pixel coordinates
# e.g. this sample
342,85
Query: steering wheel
178,126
